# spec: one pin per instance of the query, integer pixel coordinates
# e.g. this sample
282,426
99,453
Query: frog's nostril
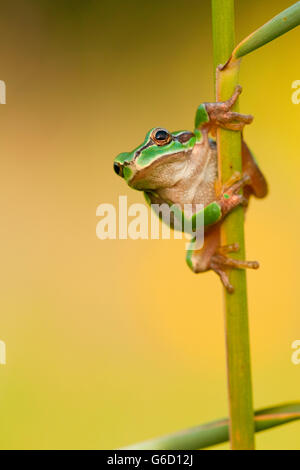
117,168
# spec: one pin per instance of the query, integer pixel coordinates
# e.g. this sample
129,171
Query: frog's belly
198,184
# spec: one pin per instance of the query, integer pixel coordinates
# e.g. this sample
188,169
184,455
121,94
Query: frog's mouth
123,170
127,173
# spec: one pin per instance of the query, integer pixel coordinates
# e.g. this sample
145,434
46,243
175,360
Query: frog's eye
161,136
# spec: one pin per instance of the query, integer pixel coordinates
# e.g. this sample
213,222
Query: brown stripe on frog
184,136
148,144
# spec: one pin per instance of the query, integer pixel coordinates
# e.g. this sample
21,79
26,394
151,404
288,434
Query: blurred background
116,341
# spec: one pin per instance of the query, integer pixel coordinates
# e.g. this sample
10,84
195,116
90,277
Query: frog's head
158,161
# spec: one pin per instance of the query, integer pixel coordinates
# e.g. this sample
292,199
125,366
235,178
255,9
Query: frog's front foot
220,263
220,114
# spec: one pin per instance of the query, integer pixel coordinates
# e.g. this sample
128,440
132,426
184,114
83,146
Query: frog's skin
182,168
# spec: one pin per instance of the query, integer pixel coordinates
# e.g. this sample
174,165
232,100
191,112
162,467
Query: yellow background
113,342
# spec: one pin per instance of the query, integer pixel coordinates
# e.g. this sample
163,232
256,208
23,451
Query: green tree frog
182,168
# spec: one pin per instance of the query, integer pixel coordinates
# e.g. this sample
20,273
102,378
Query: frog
181,168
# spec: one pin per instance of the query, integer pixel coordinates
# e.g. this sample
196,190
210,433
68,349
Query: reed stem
232,231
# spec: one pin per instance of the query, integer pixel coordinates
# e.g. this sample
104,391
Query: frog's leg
258,185
209,116
228,199
214,257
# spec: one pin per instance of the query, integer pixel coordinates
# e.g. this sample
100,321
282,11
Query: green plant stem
236,311
216,432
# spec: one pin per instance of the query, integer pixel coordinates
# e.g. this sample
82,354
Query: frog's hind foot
220,263
220,114
230,197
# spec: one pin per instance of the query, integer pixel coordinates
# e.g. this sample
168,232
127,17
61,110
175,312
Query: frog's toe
233,248
220,263
243,118
234,121
226,262
224,278
237,91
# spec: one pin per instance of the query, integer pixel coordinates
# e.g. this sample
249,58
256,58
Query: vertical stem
236,312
